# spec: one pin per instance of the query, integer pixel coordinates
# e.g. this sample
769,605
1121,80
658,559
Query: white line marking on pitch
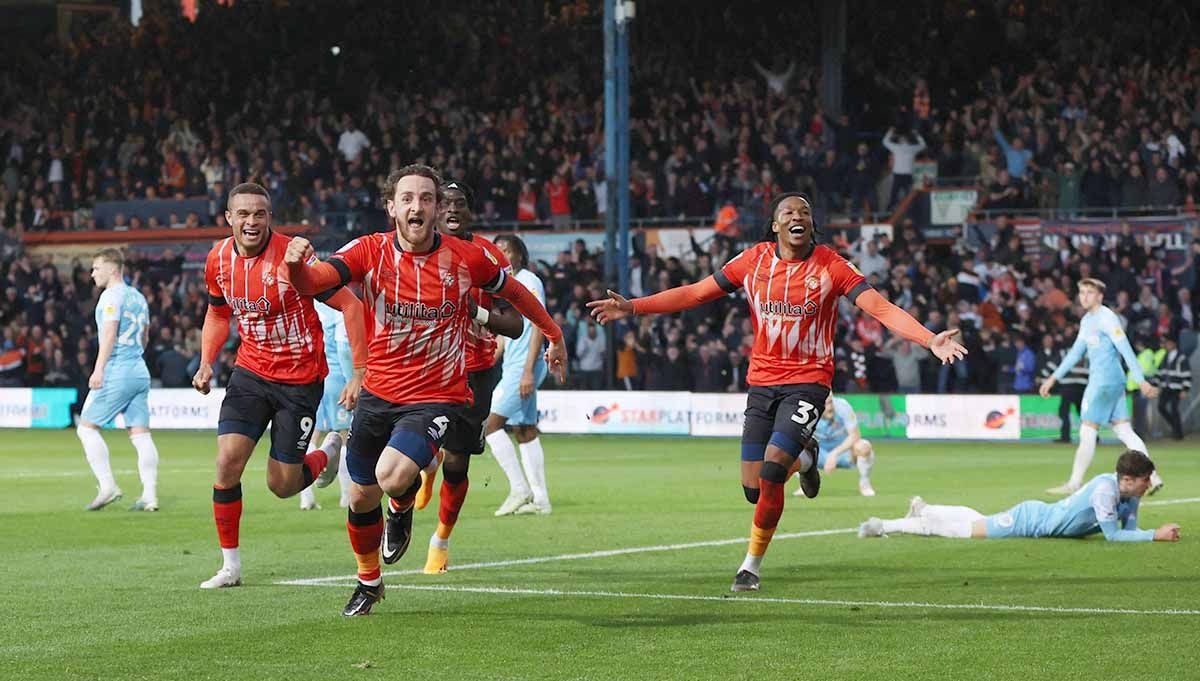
576,556
789,601
1168,502
314,581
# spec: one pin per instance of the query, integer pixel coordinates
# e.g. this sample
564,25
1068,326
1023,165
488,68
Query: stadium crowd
156,111
1064,125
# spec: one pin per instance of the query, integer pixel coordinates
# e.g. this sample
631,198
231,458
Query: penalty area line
915,605
573,556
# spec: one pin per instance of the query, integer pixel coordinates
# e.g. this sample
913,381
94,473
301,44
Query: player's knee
862,447
751,494
281,487
396,476
774,472
454,468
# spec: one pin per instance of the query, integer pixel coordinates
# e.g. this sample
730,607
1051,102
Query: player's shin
1088,435
96,451
227,511
366,532
147,455
767,512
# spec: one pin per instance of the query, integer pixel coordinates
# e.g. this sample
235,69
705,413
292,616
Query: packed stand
161,111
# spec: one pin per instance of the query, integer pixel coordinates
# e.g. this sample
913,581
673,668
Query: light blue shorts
1022,520
1104,404
330,415
126,394
506,398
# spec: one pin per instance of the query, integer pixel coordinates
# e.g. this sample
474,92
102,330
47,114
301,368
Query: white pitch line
1168,502
789,601
575,556
316,581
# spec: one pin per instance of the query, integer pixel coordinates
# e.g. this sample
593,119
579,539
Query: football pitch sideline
627,579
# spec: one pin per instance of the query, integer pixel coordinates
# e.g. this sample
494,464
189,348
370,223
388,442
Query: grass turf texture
114,594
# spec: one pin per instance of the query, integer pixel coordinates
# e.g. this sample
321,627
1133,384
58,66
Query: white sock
344,474
308,497
950,521
233,560
438,542
96,451
372,582
506,456
535,470
1130,439
865,464
147,464
751,564
916,525
1084,453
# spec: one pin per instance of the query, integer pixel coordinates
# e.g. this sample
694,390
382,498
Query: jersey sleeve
353,260
1104,501
1072,358
534,283
732,275
1110,326
215,295
847,280
110,306
486,272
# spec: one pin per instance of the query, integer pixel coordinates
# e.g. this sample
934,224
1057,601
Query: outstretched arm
531,308
943,345
672,300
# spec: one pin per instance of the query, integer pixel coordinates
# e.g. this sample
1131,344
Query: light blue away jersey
337,343
127,306
1101,336
516,351
1096,507
832,432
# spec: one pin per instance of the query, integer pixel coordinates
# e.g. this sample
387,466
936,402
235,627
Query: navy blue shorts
416,430
251,402
783,415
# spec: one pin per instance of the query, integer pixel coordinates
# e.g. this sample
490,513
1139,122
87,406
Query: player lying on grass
1108,503
841,444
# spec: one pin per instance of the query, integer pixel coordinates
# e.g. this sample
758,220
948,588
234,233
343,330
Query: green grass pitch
113,594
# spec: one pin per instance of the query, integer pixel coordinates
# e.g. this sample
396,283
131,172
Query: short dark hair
112,255
1094,283
249,188
394,177
515,243
1134,464
463,187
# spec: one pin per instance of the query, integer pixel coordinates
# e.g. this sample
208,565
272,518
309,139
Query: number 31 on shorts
805,413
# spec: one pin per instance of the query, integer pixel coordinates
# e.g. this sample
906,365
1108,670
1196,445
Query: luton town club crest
268,279
813,283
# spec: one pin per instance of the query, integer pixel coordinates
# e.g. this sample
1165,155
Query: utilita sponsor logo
246,305
420,311
782,307
995,419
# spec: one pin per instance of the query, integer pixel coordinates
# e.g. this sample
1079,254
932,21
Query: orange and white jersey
793,306
281,334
